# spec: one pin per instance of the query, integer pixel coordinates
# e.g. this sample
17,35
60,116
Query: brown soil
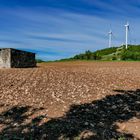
71,100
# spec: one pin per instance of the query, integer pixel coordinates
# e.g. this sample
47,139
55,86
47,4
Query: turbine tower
126,37
110,38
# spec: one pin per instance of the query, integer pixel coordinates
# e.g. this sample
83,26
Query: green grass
109,54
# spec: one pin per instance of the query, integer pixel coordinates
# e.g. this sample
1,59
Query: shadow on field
91,121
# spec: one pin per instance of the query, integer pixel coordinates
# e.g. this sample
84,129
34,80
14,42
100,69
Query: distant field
77,100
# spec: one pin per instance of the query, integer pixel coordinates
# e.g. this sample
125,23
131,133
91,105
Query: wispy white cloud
64,33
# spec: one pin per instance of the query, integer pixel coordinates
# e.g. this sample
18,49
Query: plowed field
71,100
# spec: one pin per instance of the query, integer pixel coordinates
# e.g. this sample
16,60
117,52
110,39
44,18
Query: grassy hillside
113,53
132,53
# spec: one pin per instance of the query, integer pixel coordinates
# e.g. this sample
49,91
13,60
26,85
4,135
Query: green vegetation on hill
113,53
132,53
39,61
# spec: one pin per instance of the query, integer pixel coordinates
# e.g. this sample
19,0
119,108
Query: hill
113,53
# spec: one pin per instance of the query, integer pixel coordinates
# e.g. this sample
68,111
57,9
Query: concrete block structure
13,58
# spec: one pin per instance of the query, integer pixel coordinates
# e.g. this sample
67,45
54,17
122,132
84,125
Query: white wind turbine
126,36
110,38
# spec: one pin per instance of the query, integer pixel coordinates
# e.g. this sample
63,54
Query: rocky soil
71,100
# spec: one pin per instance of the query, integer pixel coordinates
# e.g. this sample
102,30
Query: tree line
113,53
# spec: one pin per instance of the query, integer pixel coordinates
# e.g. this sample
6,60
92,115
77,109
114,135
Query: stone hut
13,58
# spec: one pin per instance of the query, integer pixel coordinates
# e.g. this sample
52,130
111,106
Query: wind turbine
110,38
126,37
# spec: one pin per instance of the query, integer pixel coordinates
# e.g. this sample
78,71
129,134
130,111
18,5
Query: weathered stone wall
12,58
22,59
5,58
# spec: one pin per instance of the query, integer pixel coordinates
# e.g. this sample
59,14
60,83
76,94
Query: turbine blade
128,28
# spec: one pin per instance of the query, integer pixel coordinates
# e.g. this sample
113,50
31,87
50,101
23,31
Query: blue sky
57,29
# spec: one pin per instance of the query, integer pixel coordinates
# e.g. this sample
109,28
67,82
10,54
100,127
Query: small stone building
13,58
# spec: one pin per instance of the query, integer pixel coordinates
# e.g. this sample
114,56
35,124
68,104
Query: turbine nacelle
127,25
110,32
